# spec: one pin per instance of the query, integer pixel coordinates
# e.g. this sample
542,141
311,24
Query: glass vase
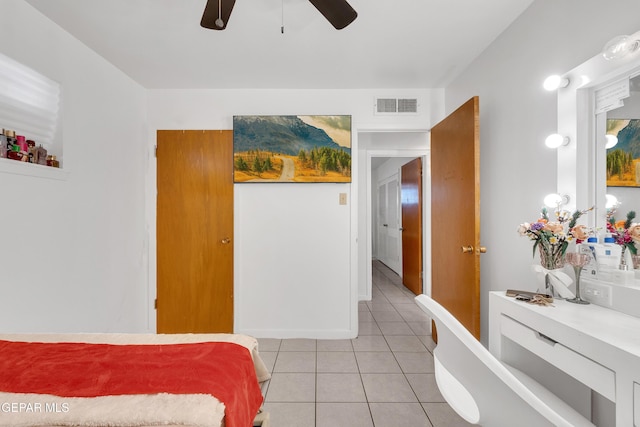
577,261
623,258
551,257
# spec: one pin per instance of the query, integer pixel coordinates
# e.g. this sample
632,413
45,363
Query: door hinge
155,150
155,303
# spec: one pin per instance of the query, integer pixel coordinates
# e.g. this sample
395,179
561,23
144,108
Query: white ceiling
392,44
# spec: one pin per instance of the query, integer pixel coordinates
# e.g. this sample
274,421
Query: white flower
523,228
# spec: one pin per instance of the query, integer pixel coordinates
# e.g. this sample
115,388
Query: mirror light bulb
612,140
619,47
553,200
556,140
611,201
554,82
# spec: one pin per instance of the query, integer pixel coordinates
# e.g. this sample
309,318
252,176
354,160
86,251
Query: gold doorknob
467,249
482,250
225,241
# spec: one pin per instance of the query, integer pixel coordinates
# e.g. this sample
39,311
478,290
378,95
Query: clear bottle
608,258
590,248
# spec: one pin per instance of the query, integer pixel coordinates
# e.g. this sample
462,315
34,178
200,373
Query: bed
131,380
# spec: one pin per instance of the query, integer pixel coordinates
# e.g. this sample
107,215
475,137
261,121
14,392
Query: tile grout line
398,362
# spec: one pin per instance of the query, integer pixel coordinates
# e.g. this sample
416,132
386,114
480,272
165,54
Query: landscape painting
623,159
292,148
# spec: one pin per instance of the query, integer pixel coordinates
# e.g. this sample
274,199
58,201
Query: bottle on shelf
3,145
11,139
41,155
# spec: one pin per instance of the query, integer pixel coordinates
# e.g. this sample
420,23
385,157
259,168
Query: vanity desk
594,348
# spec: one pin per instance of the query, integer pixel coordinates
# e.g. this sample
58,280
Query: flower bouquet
625,233
551,238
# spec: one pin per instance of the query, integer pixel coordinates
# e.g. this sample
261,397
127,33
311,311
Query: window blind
29,102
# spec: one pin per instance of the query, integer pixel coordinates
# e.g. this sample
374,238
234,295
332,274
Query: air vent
394,106
386,105
407,105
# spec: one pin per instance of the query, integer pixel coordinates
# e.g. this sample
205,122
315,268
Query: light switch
343,198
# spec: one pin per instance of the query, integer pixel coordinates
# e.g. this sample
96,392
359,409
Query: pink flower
634,232
581,232
553,227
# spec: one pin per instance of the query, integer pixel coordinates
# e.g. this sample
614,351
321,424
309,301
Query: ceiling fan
338,12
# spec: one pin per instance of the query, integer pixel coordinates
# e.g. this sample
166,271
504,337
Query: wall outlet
343,198
597,293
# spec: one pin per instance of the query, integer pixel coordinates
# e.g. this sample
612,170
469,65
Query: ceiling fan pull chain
282,26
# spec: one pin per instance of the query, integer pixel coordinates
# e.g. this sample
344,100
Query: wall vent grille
407,105
395,106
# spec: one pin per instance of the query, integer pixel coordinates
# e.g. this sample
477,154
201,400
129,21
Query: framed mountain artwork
291,149
623,158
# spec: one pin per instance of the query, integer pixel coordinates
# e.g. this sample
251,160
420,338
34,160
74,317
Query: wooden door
455,214
411,199
195,231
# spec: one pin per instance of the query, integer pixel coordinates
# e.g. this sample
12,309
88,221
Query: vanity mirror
618,131
601,89
595,88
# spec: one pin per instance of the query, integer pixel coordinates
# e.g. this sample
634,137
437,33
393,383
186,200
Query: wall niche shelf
29,169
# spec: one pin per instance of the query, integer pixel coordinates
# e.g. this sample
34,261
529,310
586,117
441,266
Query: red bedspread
224,370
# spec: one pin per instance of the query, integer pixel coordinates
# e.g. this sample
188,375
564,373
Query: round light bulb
554,82
556,140
611,201
612,140
619,47
553,200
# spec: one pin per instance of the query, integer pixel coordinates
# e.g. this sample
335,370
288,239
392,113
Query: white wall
296,249
73,253
516,114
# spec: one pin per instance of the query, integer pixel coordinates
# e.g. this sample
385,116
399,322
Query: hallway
383,378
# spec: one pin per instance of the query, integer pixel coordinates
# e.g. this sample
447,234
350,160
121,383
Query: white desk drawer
585,370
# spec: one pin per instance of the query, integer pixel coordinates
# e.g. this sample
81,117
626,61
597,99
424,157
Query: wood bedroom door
411,200
455,214
194,231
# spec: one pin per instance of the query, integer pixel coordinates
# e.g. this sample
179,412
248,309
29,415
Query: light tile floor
383,378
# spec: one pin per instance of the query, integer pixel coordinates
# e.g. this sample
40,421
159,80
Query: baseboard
340,334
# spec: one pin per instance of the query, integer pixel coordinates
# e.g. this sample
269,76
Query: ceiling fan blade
338,12
216,15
